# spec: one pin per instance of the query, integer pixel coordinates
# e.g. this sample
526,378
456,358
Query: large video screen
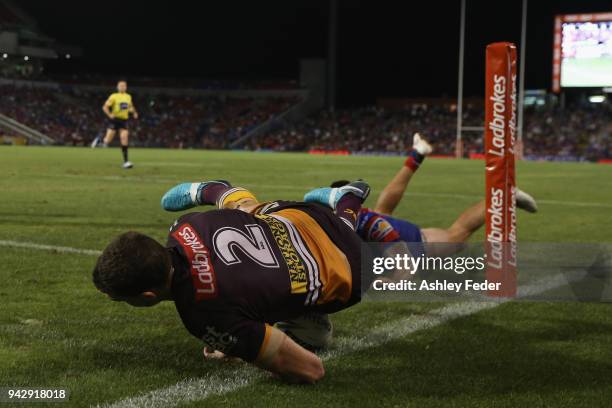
583,50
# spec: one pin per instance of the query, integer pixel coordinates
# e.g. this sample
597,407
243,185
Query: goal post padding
500,137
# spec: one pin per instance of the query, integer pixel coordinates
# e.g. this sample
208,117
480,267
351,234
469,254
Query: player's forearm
106,111
293,363
308,373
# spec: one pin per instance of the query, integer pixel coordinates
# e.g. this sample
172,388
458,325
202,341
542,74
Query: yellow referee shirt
120,104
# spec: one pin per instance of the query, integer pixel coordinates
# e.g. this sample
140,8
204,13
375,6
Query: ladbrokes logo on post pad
202,272
500,116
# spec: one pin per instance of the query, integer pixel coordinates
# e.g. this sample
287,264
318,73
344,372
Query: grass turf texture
57,331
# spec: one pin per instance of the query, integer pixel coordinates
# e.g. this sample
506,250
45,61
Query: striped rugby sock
414,160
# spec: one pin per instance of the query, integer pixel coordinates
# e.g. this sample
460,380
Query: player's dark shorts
117,124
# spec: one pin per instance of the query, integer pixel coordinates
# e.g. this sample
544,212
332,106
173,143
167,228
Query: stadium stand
579,132
365,130
73,116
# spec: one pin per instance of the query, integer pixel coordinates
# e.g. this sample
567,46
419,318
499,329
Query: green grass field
57,331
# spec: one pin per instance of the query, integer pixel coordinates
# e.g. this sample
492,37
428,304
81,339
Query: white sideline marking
197,389
222,382
53,248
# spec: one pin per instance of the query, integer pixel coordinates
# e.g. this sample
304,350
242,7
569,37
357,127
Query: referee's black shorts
117,124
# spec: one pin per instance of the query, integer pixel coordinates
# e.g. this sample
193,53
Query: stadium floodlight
597,98
26,58
5,55
68,56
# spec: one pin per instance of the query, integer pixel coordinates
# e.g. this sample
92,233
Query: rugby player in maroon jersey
235,271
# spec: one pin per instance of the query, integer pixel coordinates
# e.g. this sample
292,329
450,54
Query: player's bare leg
110,135
460,231
470,221
124,138
392,194
101,140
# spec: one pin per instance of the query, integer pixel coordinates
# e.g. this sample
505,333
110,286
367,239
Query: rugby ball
312,330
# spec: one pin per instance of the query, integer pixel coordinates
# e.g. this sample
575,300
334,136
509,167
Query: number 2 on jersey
229,242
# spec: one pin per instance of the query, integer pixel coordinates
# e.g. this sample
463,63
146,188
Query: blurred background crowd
73,116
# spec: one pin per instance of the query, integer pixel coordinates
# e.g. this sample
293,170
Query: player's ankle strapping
414,160
220,193
234,195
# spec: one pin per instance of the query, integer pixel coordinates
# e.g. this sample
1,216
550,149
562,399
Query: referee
118,107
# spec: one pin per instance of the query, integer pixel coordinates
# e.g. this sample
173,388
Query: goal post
500,139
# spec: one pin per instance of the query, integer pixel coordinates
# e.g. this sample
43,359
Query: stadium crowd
367,130
73,116
581,132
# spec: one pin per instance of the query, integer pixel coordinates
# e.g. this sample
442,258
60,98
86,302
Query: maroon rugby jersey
235,272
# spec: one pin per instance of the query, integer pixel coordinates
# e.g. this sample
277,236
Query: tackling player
117,108
379,225
235,271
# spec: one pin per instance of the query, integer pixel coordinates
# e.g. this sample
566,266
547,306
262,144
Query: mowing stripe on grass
52,248
540,201
304,189
196,389
454,196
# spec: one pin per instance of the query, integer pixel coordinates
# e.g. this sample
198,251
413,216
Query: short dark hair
131,264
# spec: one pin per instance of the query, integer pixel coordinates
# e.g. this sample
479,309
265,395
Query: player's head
133,268
122,85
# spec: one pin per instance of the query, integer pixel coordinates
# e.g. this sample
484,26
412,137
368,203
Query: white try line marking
223,382
52,248
226,381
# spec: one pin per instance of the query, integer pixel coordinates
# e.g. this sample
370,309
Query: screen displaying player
586,54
